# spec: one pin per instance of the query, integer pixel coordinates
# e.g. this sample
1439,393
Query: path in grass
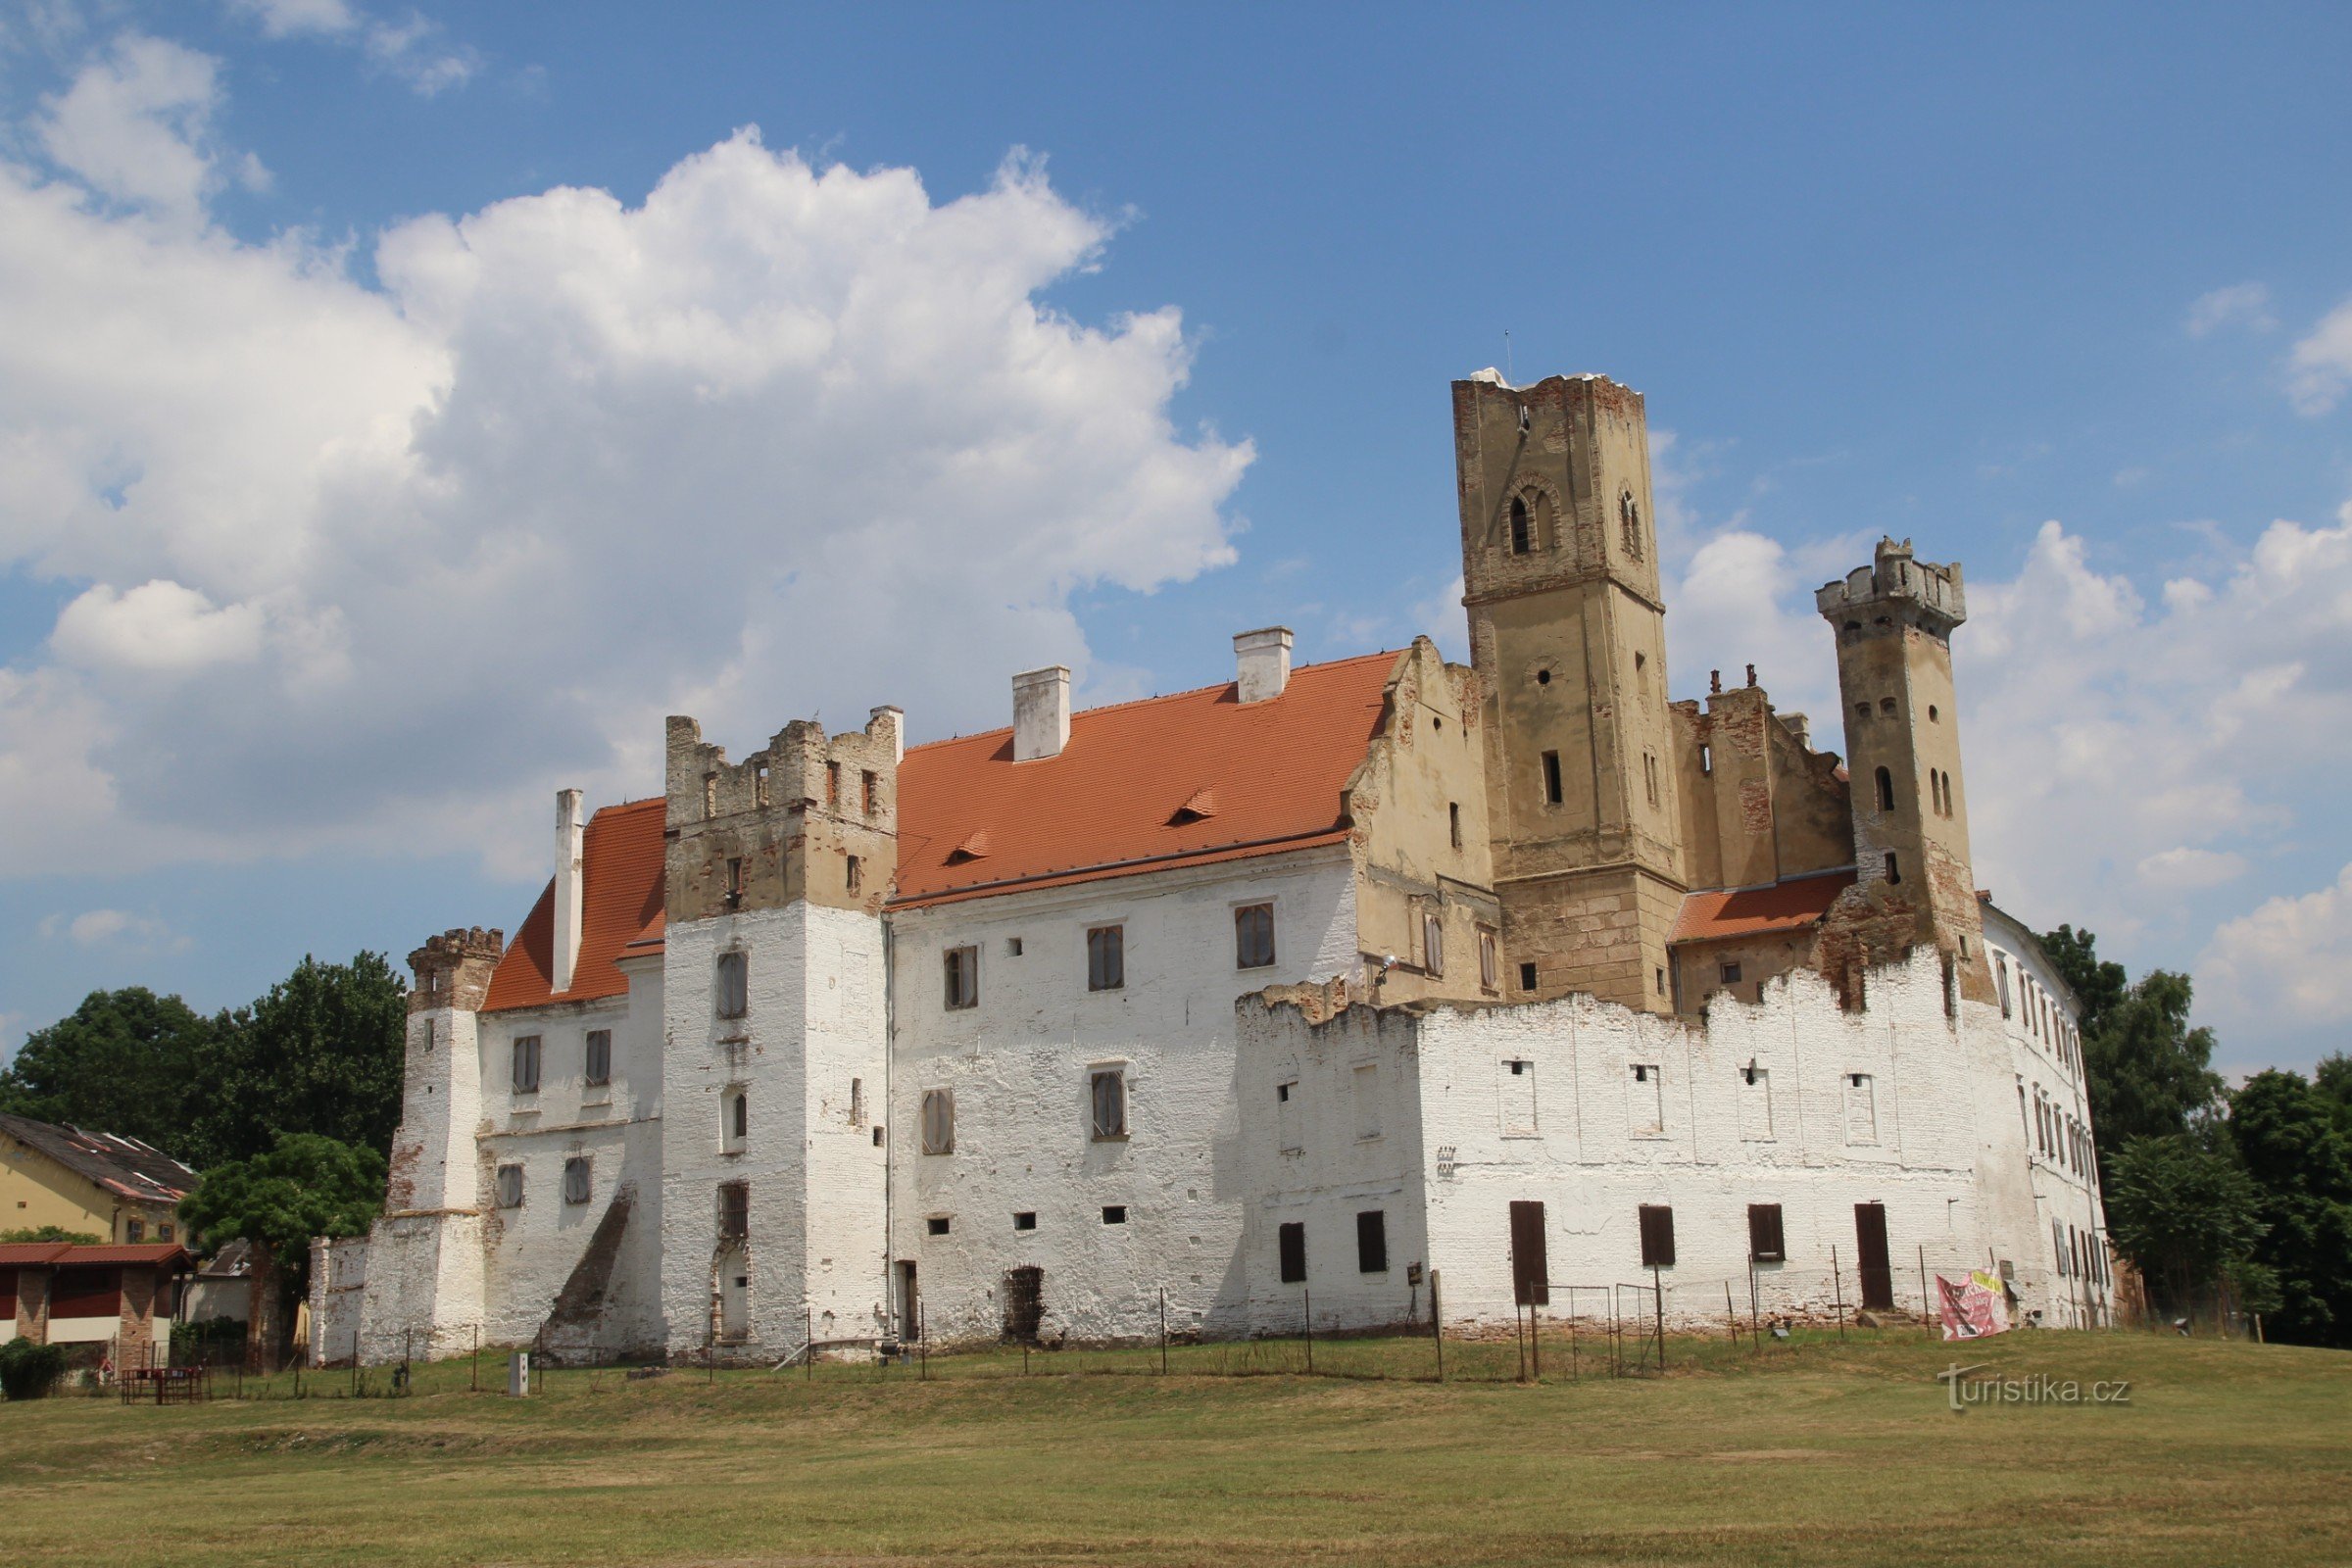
1820,1454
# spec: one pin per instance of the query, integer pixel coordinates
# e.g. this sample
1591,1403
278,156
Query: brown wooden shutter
1764,1242
1531,1270
1657,1236
1293,1254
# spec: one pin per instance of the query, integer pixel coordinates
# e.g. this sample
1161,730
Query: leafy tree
321,1054
307,1186
50,1233
124,1061
2285,1135
2098,985
2182,1210
2332,1077
2149,1073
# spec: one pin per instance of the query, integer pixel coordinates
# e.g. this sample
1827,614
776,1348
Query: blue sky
370,477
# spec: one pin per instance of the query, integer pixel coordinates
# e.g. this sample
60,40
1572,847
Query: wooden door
1870,1241
1531,1272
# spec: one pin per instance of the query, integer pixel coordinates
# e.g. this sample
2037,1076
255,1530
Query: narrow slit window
1894,869
1551,778
1433,944
852,873
1291,1241
867,791
1490,962
1453,823
832,783
1885,790
1522,529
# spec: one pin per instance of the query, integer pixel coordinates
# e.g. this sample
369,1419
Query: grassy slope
1819,1455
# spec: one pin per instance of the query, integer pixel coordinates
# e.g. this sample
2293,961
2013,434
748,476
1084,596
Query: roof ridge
1159,697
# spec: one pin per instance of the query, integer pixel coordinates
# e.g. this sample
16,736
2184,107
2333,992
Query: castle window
1291,1246
1629,513
1895,871
739,1118
1372,1241
1731,975
1114,1213
134,1230
510,1186
938,1121
597,1068
1433,944
961,966
1657,1236
832,783
1650,773
1887,706
936,1225
1490,962
1935,791
1254,936
1106,957
852,873
1012,946
867,786
1765,1242
1453,823
1106,1093
575,1179
1551,778
734,1210
1522,529
1543,677
1861,709
1706,758
526,1065
2000,977
734,881
734,985
1527,977
1932,714
857,1102
1025,1220
1885,790
759,784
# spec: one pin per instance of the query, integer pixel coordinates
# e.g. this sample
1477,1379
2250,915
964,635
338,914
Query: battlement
452,969
1894,584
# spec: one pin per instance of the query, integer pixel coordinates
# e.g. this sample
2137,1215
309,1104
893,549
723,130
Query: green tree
50,1233
2149,1073
2182,1210
2098,985
2285,1135
321,1054
306,1186
2332,1077
124,1061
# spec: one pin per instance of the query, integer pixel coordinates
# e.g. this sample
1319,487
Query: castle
1311,981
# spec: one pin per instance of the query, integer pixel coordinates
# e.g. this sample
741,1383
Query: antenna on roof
1509,375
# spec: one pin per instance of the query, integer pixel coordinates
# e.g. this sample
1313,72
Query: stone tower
1893,621
1567,634
773,985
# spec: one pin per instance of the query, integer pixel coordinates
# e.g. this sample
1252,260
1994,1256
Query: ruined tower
1567,634
1893,621
774,983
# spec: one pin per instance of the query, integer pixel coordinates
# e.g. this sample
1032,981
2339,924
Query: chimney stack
572,831
1040,713
1261,662
898,728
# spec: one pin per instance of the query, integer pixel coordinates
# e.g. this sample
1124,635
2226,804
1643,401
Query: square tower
775,1037
1568,637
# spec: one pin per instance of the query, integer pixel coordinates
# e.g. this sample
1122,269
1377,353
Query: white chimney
898,728
572,831
1262,662
1040,713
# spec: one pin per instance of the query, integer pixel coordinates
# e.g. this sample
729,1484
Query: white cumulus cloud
2240,304
412,49
383,565
2320,366
102,928
136,127
2292,955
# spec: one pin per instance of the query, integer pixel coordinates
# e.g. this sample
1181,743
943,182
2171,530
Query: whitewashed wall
815,1020
1019,1064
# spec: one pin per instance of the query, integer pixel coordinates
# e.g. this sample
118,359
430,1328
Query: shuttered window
598,1066
1764,1242
526,1065
1490,964
510,1186
1372,1241
1254,936
1109,1093
575,1179
1105,958
963,977
1292,1238
1433,944
1657,1236
734,985
938,1121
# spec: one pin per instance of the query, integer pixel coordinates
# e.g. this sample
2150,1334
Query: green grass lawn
1812,1454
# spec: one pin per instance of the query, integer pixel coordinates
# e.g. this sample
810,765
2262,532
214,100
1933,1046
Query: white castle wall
1019,1064
1931,1136
816,1022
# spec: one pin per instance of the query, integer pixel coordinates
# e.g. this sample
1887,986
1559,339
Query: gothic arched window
1522,527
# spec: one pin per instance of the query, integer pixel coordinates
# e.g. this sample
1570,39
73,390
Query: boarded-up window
938,1121
734,985
1531,1266
575,1179
1645,1100
1861,1109
1756,1102
598,1066
963,974
1292,1239
1107,1092
1515,1083
1432,943
1657,1236
1372,1241
526,1065
1105,958
1765,1244
1254,936
1490,962
510,1186
1365,1082
734,1208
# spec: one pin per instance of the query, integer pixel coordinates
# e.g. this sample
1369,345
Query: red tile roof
1791,904
17,1254
61,1255
1259,778
620,901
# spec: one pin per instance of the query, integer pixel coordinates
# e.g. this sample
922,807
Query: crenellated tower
775,869
1568,637
1893,621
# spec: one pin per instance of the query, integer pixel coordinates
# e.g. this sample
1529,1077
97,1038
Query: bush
215,1339
26,1369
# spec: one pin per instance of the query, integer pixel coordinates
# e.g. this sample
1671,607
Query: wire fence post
1755,1309
1657,1297
477,1358
1163,1330
1838,1282
807,1345
1535,1327
1307,1304
1731,1314
1926,1302
1437,1325
1572,1372
922,1342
